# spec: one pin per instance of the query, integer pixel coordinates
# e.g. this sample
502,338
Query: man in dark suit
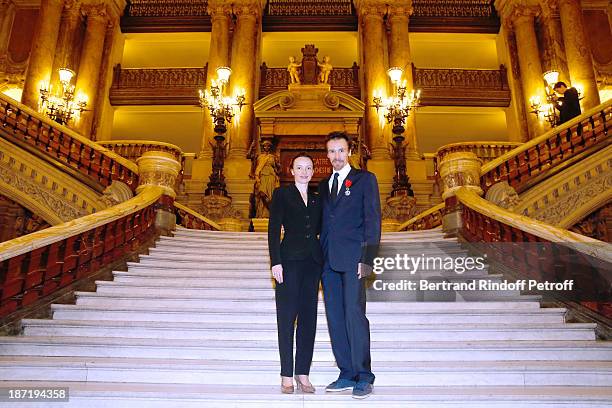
568,105
350,235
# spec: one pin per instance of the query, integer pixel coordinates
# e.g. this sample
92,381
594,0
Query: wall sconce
62,107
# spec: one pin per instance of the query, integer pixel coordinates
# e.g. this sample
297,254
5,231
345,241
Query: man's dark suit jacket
350,233
569,106
302,225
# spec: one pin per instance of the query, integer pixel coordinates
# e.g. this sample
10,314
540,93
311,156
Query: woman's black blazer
302,226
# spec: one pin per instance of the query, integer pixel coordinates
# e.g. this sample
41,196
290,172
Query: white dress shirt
342,174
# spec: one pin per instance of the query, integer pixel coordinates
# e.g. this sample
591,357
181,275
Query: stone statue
266,173
324,69
293,66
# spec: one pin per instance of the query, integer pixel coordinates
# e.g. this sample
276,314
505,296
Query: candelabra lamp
62,107
397,109
222,110
547,109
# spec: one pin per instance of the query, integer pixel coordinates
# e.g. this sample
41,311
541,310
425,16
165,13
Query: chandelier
62,107
221,106
398,106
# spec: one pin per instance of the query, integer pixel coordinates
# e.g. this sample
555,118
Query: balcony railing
33,131
157,86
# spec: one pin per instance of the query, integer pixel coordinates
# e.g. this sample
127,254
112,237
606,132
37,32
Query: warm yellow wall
451,50
437,126
157,50
341,47
180,125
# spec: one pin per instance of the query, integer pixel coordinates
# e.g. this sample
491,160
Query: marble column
43,51
88,76
579,57
554,50
218,56
7,14
244,59
65,52
371,15
399,56
520,17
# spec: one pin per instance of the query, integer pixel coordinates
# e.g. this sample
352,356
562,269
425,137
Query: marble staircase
193,324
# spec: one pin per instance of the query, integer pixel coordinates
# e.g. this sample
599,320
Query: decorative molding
476,16
43,189
569,196
165,86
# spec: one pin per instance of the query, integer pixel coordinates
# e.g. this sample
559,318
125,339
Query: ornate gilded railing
429,219
166,8
156,86
193,220
485,151
33,131
133,149
36,265
453,8
463,87
555,149
340,79
309,8
440,87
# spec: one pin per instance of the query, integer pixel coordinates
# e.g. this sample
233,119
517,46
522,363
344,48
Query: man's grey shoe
340,384
362,390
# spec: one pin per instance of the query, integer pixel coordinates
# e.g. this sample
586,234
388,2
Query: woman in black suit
296,265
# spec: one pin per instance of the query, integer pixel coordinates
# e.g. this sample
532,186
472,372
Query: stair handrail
35,130
546,232
194,220
428,219
578,134
475,147
37,264
118,145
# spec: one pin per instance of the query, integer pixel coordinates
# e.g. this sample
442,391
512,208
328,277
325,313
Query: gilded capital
95,11
513,11
400,9
373,8
218,8
248,8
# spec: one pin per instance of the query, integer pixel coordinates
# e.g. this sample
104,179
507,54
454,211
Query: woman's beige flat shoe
309,389
287,389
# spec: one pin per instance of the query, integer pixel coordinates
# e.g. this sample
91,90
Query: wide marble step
205,279
419,313
104,394
407,351
226,372
215,299
379,332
